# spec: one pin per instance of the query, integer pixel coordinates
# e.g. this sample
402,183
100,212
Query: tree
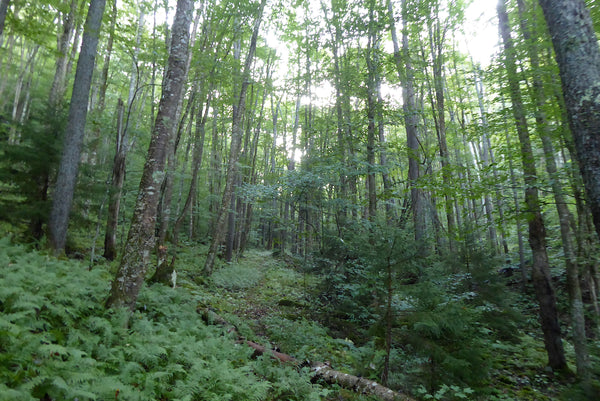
578,57
69,164
537,232
234,151
116,186
405,72
564,216
140,240
3,11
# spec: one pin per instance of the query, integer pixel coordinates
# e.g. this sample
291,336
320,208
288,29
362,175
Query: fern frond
10,394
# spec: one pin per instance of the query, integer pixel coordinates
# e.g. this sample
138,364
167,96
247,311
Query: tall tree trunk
578,57
489,161
69,164
537,233
166,189
234,152
411,118
185,125
165,270
106,66
336,38
116,187
100,105
140,240
21,96
437,37
372,48
58,88
3,11
387,185
55,99
564,215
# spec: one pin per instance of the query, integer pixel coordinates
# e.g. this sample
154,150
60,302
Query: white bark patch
158,176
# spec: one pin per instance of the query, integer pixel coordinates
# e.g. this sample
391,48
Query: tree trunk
55,99
164,270
437,37
578,57
166,189
107,57
100,105
3,11
372,105
336,38
234,152
140,240
519,218
58,88
411,112
537,233
118,177
564,215
489,162
69,164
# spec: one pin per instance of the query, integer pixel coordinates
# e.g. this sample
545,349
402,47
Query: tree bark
578,57
107,56
3,11
140,240
118,177
58,89
411,111
336,38
564,215
489,162
537,233
69,164
372,105
437,36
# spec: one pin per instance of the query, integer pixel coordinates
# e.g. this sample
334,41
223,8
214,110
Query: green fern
57,339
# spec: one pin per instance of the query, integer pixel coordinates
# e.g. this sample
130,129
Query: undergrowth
57,342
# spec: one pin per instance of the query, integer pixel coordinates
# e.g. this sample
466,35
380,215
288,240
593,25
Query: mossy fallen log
321,371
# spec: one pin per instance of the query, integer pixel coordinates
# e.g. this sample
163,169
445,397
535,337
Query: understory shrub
444,313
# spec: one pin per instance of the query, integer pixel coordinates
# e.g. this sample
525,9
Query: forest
299,200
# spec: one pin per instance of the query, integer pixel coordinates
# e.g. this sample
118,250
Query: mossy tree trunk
140,240
578,57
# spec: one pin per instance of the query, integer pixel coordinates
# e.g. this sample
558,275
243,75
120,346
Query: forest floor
58,341
270,300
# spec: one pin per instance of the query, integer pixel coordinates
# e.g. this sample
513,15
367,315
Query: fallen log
356,384
321,371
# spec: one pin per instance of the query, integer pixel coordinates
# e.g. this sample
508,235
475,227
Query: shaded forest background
433,206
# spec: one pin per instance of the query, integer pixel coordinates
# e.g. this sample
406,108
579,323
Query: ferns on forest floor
57,339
